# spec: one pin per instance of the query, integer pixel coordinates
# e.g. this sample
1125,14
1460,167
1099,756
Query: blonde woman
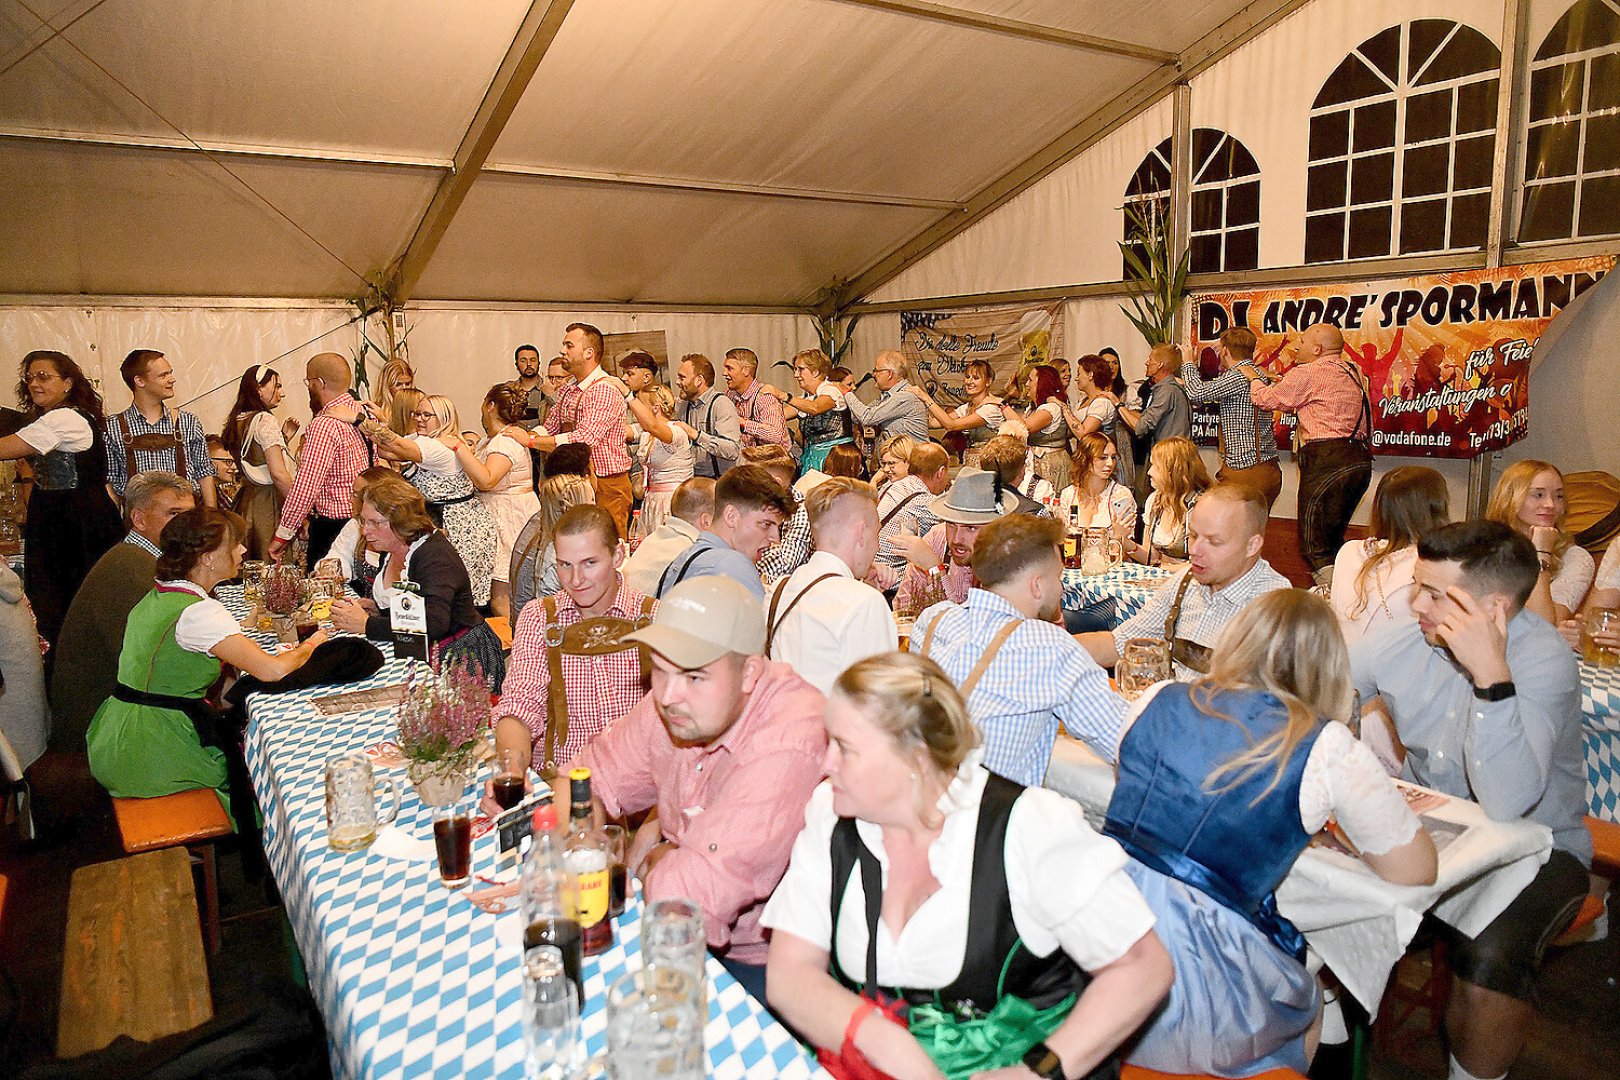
1372,577
894,459
977,420
400,415
1094,499
534,561
501,470
431,460
1040,923
1529,498
396,375
1222,783
1176,471
665,452
823,419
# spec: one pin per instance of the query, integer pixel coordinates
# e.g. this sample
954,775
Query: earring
913,778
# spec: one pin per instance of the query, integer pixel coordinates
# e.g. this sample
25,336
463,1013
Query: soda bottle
586,855
550,898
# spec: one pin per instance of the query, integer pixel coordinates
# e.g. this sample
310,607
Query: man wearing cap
1019,671
1225,528
749,506
822,618
572,672
727,747
974,500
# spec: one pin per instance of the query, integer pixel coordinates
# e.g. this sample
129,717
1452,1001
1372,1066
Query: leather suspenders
601,636
772,622
989,654
1184,652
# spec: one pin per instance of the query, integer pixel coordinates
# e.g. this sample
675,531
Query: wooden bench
133,960
190,819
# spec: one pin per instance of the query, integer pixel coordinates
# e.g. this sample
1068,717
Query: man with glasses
896,412
334,454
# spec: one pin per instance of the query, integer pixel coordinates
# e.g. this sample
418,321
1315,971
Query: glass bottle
1071,539
550,897
585,853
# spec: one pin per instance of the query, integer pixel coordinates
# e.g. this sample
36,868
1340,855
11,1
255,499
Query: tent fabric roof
747,152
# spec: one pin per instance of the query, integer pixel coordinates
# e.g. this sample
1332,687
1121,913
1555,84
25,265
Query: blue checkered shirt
1040,677
1248,435
187,426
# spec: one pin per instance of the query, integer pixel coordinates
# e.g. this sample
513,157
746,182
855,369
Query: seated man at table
749,508
1485,697
691,511
572,673
1225,530
86,665
974,500
1019,671
727,747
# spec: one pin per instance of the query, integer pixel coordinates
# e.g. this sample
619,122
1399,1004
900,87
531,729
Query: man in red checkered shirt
579,633
758,412
592,411
333,456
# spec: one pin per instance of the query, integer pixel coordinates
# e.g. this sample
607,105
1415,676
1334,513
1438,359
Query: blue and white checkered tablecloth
1600,724
1128,585
412,979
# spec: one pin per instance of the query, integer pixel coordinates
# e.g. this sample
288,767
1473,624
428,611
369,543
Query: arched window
1572,146
1402,135
1225,201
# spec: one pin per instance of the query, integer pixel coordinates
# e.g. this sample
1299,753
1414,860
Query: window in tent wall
1225,232
1401,139
1572,140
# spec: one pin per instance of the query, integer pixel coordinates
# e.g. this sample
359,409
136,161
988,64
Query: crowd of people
834,667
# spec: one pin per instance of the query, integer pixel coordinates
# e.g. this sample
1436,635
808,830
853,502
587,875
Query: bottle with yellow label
586,856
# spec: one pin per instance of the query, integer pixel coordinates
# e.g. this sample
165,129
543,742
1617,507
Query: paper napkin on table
396,843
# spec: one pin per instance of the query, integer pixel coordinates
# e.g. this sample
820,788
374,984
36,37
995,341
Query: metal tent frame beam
1049,35
529,46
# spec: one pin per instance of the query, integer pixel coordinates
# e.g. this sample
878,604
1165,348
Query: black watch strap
1495,691
1044,1062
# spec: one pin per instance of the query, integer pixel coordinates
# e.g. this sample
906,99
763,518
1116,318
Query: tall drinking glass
673,939
452,838
351,802
1597,629
613,837
1143,662
653,1029
550,1015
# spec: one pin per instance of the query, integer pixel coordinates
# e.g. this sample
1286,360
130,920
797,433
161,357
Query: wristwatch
1496,691
1043,1061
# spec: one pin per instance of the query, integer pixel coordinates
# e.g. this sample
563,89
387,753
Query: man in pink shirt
1329,394
728,747
591,410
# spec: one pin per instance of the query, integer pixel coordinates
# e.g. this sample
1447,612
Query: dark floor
1573,1038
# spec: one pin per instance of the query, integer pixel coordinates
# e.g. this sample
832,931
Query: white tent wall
458,351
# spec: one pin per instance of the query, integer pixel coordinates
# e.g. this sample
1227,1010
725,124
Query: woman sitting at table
1094,499
996,898
1530,498
1178,476
534,558
358,563
1372,577
157,735
394,520
1222,784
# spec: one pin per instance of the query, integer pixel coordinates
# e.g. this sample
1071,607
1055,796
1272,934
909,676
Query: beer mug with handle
351,802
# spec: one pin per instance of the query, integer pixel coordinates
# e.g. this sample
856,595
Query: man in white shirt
1225,530
691,511
822,618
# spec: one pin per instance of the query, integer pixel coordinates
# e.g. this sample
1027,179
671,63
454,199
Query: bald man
1329,395
334,454
896,411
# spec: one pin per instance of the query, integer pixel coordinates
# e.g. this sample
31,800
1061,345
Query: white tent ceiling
673,152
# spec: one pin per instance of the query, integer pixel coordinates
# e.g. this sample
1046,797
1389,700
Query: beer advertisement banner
1447,356
940,344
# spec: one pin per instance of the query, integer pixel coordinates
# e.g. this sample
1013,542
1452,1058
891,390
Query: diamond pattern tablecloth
1128,585
412,979
1600,723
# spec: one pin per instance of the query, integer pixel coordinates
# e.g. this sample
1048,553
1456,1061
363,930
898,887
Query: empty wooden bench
189,819
133,960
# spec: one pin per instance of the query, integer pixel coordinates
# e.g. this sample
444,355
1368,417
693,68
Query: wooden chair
1606,862
190,819
132,962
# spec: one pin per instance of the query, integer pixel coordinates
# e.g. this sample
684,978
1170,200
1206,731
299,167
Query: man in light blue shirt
1486,700
749,507
1019,671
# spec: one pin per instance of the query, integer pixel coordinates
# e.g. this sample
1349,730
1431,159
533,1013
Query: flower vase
437,785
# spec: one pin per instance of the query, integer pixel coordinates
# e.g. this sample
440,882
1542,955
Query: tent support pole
1049,35
1509,99
1180,223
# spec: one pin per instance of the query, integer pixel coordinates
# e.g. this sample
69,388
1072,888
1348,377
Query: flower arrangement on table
443,717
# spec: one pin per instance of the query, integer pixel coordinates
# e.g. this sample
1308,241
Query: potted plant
442,720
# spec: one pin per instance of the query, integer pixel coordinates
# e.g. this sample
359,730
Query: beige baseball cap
702,619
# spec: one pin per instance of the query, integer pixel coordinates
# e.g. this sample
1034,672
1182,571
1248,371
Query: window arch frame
1219,142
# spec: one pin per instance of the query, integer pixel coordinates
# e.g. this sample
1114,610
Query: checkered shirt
1204,612
598,689
761,417
1248,435
791,551
144,544
198,464
333,457
1040,677
958,577
592,412
897,411
916,518
1326,395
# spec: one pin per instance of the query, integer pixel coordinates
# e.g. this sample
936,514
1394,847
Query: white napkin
395,843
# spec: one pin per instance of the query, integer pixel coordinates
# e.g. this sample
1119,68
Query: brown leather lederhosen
600,636
989,654
772,622
1184,652
153,441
